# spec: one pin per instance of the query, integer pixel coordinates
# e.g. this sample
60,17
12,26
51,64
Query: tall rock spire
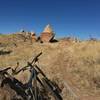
47,35
48,29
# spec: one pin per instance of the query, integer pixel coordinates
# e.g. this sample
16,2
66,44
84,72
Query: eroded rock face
47,35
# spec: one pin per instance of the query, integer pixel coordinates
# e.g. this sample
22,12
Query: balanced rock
47,35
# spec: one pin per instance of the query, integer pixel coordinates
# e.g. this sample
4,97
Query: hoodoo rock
47,35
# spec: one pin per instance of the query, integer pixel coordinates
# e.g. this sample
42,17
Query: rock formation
27,36
48,28
33,36
68,40
47,35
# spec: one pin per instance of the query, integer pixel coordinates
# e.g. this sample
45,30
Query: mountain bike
37,88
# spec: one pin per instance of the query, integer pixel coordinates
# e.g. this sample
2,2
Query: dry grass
77,64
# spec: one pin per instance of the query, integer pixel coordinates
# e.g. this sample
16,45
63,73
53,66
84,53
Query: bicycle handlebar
28,64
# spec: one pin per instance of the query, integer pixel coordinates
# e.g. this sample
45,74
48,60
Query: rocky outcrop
68,40
34,37
28,36
47,35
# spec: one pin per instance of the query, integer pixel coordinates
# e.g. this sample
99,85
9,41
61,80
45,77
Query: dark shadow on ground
2,52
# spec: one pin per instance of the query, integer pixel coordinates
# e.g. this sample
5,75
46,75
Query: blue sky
79,18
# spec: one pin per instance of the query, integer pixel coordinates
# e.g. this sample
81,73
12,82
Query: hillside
75,66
